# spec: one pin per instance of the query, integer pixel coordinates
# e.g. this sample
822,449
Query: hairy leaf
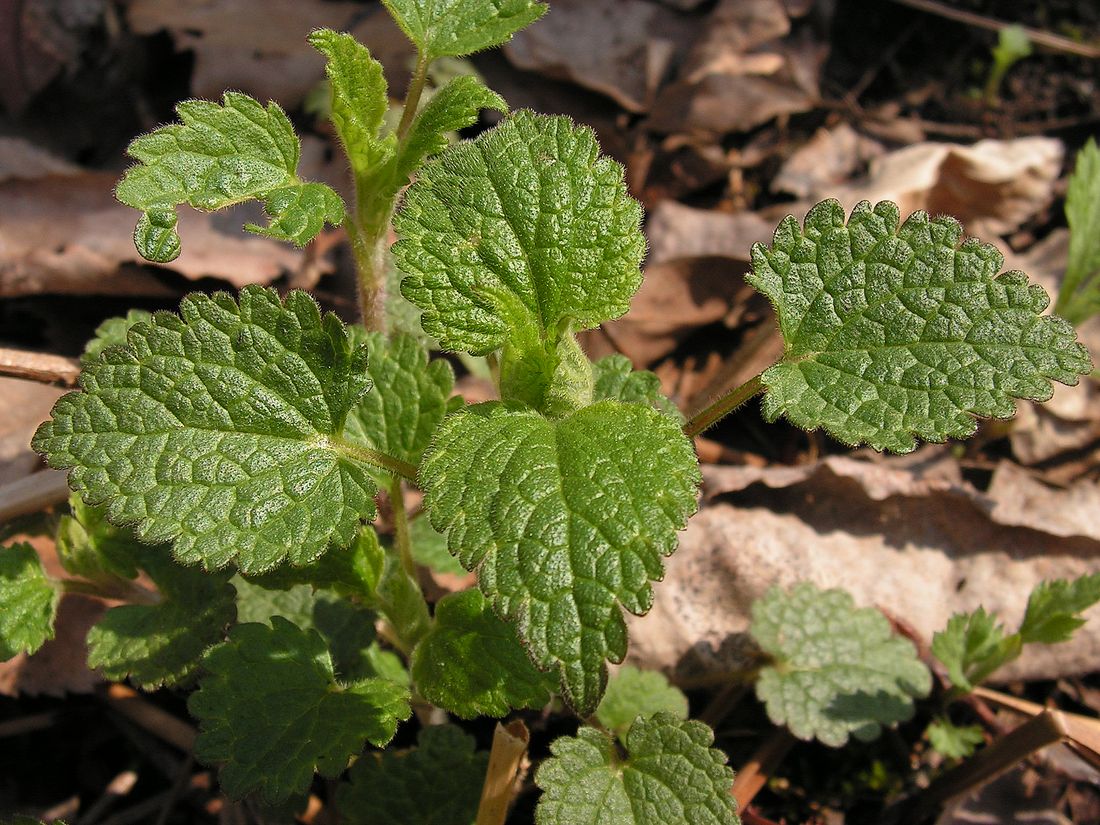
954,741
437,783
90,547
972,646
1054,608
894,332
564,520
161,644
112,333
409,398
429,548
271,712
632,693
1079,296
837,668
452,28
509,237
220,431
28,602
471,663
616,379
218,156
670,775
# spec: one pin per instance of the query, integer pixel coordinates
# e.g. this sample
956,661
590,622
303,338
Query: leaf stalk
716,411
377,459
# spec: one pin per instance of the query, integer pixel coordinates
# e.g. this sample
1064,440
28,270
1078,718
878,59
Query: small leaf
892,332
1054,606
506,238
972,646
90,547
838,669
617,380
438,783
564,520
220,431
429,548
409,398
359,99
28,602
218,156
670,775
271,712
352,572
632,693
954,741
1079,296
471,663
161,644
112,333
452,28
454,107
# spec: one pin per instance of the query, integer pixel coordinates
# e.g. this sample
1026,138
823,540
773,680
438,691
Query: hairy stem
412,97
377,459
716,411
401,536
368,247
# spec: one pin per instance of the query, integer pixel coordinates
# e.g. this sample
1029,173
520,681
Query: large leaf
271,712
564,520
28,602
838,670
218,156
471,663
506,238
670,775
894,332
437,783
442,28
220,431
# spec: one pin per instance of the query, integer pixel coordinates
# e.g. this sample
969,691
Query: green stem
121,590
387,462
368,247
715,412
401,527
412,97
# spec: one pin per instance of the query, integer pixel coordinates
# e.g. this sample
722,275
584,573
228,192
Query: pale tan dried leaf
23,406
830,158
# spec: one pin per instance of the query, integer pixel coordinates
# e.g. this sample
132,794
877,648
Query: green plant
1079,295
1013,45
233,452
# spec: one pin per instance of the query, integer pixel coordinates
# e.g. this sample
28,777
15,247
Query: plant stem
509,745
124,591
762,764
387,462
401,527
412,97
715,412
368,248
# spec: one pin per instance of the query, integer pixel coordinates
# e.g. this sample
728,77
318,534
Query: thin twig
1036,36
32,493
145,714
762,764
39,366
509,746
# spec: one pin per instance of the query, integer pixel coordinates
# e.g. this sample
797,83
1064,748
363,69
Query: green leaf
112,333
409,398
347,628
1054,606
220,431
452,28
359,99
670,775
1079,296
972,646
90,547
429,548
218,156
632,693
616,379
271,712
471,663
28,602
954,741
511,237
892,333
564,520
161,644
352,572
455,106
838,670
437,783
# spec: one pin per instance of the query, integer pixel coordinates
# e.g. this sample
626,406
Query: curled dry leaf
830,158
905,537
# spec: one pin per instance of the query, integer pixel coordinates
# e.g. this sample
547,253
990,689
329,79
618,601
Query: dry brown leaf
23,406
620,49
260,47
67,234
830,158
676,231
907,538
